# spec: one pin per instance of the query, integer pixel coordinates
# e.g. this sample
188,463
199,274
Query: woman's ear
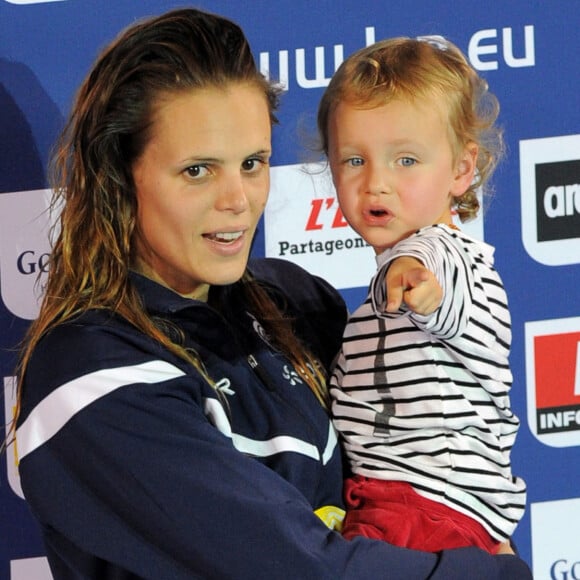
465,170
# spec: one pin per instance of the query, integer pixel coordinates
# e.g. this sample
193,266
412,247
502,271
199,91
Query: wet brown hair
91,175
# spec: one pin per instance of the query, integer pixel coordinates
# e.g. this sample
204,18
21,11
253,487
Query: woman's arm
142,480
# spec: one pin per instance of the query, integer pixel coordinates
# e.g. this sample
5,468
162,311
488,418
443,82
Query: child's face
393,168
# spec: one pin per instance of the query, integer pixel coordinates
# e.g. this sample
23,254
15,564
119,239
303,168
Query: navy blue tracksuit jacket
135,468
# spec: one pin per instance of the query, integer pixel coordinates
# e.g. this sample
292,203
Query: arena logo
553,380
482,50
24,246
555,547
304,224
550,199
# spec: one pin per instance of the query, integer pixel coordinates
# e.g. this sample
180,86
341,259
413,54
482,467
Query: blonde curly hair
422,68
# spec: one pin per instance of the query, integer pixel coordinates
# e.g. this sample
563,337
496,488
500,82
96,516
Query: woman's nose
232,196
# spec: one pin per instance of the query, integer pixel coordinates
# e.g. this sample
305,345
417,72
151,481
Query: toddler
420,395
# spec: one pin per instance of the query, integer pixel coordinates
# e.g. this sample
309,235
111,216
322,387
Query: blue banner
528,52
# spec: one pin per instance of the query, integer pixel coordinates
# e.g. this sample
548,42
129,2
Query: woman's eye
253,164
196,171
249,164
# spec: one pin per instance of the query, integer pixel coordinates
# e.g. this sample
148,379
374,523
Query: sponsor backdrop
528,51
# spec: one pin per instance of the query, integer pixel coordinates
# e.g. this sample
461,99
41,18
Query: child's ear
465,170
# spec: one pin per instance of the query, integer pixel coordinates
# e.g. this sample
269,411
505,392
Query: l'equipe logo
304,224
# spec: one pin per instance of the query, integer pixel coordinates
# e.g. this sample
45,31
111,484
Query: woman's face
201,184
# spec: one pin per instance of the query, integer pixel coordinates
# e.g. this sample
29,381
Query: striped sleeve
425,399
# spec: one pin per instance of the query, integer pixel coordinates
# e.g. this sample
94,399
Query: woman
172,419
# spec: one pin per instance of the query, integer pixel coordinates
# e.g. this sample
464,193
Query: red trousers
394,512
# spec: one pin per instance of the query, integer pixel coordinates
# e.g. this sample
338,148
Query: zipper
261,373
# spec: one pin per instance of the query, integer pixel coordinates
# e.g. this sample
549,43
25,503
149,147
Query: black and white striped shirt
424,399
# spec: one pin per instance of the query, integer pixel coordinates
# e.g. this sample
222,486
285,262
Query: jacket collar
159,298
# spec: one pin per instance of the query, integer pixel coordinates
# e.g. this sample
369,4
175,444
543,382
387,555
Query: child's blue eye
355,161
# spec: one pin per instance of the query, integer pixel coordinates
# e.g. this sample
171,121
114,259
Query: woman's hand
505,548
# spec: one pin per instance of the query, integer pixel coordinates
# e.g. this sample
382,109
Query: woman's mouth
224,237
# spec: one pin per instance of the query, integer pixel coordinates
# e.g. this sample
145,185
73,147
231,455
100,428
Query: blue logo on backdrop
564,570
484,50
478,47
28,263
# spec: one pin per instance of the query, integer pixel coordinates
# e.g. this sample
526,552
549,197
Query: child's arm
407,280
